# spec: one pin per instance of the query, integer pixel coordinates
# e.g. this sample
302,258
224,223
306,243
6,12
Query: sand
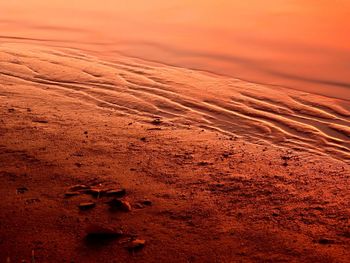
170,131
231,171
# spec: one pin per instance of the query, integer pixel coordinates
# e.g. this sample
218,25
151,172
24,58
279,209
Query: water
301,44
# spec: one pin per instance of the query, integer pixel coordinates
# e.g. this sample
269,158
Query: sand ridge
265,114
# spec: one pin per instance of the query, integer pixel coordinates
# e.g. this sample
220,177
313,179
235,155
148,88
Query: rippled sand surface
140,89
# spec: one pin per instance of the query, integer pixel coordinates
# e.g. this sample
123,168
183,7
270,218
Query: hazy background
303,44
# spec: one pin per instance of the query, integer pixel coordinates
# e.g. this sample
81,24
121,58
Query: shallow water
300,44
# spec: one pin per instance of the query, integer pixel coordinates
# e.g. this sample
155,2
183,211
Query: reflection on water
302,44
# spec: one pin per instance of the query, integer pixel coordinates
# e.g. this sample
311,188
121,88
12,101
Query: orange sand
216,169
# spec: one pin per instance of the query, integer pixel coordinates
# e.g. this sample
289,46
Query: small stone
86,205
143,139
136,244
117,204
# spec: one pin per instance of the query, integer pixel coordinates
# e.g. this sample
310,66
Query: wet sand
118,152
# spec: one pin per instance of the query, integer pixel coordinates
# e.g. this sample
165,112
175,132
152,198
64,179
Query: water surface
302,44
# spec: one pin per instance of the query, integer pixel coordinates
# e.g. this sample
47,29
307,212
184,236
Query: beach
111,156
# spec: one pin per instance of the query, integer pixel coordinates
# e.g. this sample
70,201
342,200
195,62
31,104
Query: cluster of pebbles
116,203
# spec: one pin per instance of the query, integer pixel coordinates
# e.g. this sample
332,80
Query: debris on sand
117,204
136,244
86,205
101,232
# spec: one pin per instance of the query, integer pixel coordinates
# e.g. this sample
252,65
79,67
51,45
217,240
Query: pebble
136,244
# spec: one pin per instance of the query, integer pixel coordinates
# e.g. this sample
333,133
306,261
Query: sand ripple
182,97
